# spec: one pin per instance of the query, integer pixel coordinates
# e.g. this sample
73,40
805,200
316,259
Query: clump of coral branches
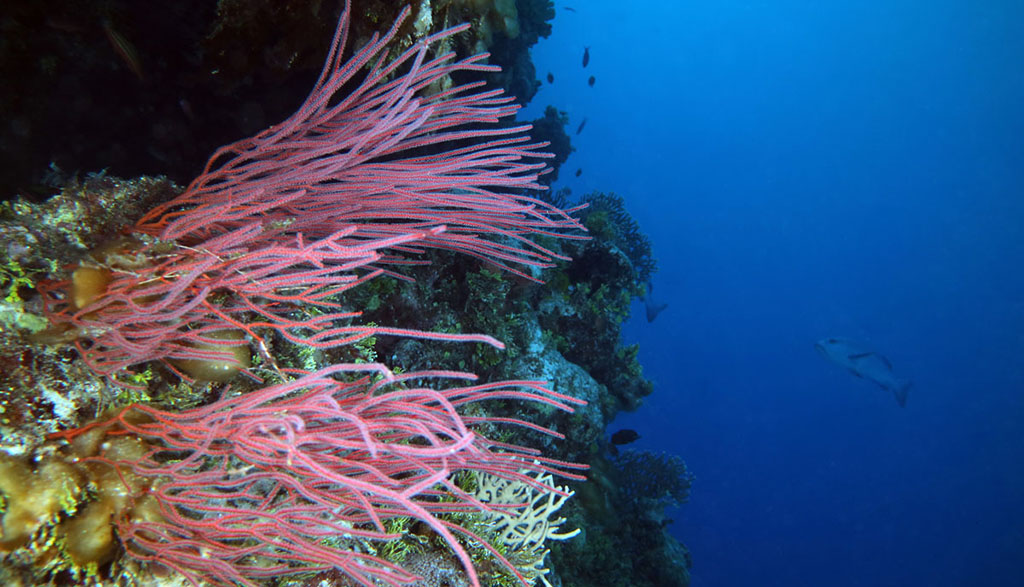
343,189
304,476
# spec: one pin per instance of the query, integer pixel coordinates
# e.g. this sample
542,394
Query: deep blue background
810,169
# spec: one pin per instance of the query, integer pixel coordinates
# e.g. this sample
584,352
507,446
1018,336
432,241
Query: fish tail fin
902,388
652,310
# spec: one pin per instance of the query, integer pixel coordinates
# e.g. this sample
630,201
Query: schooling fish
551,78
586,56
865,363
579,129
591,81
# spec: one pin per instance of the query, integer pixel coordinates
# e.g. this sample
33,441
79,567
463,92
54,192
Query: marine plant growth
385,158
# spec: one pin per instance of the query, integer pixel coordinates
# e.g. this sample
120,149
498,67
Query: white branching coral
523,530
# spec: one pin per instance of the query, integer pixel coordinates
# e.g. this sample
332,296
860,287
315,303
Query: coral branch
316,205
303,476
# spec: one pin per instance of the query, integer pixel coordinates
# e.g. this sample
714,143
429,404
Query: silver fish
865,363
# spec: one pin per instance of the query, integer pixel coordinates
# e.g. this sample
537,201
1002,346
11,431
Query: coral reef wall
112,86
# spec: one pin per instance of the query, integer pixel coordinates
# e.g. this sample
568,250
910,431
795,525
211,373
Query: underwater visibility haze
806,171
783,347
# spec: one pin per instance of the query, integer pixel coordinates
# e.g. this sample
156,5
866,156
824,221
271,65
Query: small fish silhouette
579,172
124,49
579,129
591,81
551,78
586,56
569,8
651,307
625,436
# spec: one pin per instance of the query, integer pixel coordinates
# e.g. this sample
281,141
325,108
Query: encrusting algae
63,507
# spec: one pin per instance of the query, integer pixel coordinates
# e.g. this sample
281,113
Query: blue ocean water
805,170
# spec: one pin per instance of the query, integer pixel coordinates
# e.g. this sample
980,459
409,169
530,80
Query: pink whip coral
305,476
382,160
313,206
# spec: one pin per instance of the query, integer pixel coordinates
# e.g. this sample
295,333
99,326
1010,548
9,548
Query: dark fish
579,129
569,8
625,436
651,307
579,172
551,78
591,81
865,363
586,56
